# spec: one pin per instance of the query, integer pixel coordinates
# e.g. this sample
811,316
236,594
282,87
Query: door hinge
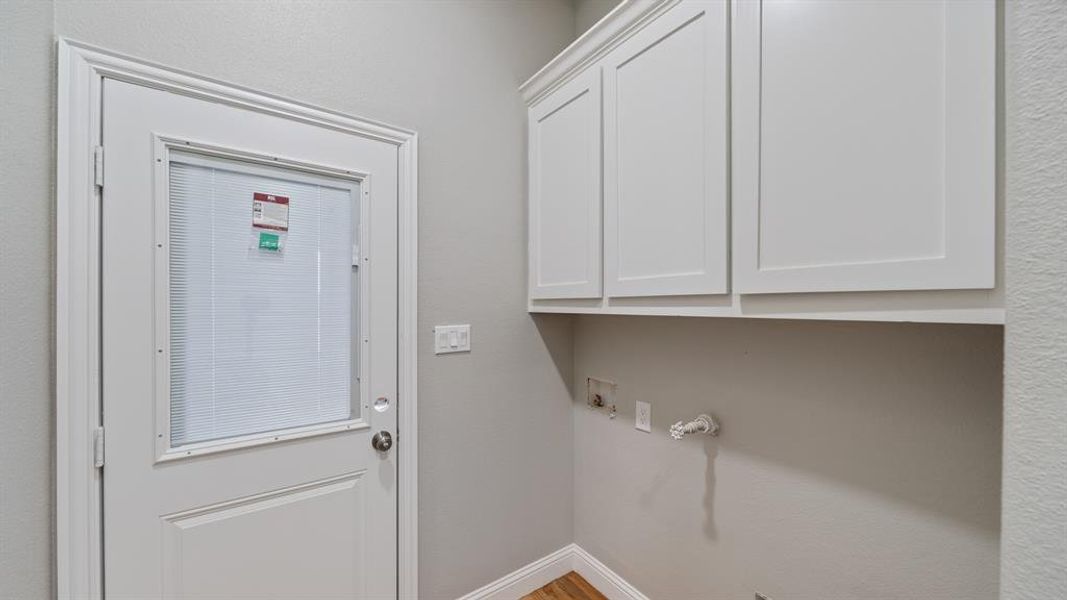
98,166
98,447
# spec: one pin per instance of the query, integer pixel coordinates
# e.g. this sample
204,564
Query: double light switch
451,338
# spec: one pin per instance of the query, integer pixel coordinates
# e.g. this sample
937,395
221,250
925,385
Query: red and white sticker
270,211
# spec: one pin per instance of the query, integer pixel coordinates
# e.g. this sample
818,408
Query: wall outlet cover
643,417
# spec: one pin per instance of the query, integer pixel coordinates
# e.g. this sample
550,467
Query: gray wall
26,256
495,425
856,460
1035,399
587,12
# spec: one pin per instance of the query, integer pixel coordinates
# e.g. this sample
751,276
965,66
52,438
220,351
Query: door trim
82,69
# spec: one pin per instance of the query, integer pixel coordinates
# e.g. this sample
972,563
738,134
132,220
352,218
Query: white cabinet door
564,234
665,156
863,145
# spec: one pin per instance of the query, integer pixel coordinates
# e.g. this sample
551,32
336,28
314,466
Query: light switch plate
643,417
451,338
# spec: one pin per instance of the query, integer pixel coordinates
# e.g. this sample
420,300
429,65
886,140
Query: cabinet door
665,156
863,145
565,198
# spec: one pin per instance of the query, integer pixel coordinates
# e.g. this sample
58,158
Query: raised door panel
864,145
565,191
306,541
665,156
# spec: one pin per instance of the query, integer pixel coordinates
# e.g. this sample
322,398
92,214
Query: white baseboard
526,579
538,573
610,583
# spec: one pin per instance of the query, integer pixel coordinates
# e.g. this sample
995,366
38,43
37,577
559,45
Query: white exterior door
249,342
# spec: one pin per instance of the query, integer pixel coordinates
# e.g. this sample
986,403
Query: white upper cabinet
565,199
665,155
808,159
863,145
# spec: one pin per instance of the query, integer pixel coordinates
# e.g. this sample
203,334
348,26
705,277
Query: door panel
665,141
862,163
257,547
565,191
278,493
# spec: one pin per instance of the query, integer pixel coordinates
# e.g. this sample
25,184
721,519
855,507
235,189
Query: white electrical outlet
643,417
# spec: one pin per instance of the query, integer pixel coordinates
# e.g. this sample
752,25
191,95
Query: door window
263,306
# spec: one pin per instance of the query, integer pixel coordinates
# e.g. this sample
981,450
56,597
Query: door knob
382,441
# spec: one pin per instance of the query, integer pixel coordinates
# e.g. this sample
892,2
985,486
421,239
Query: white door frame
82,68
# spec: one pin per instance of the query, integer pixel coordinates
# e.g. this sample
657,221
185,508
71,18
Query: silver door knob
382,441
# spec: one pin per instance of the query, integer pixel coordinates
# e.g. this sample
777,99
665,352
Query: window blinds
259,341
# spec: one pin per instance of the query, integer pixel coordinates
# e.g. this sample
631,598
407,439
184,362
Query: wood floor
569,587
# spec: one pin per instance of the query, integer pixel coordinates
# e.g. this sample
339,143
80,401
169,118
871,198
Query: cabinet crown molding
623,21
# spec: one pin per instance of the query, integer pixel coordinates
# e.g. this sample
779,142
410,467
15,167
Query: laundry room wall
856,460
26,299
495,424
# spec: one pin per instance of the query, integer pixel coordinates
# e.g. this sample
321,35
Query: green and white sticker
269,241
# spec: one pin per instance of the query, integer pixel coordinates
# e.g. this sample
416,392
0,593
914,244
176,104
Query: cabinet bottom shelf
955,306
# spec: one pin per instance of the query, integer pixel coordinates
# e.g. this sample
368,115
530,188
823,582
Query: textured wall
856,460
1035,375
495,425
26,255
